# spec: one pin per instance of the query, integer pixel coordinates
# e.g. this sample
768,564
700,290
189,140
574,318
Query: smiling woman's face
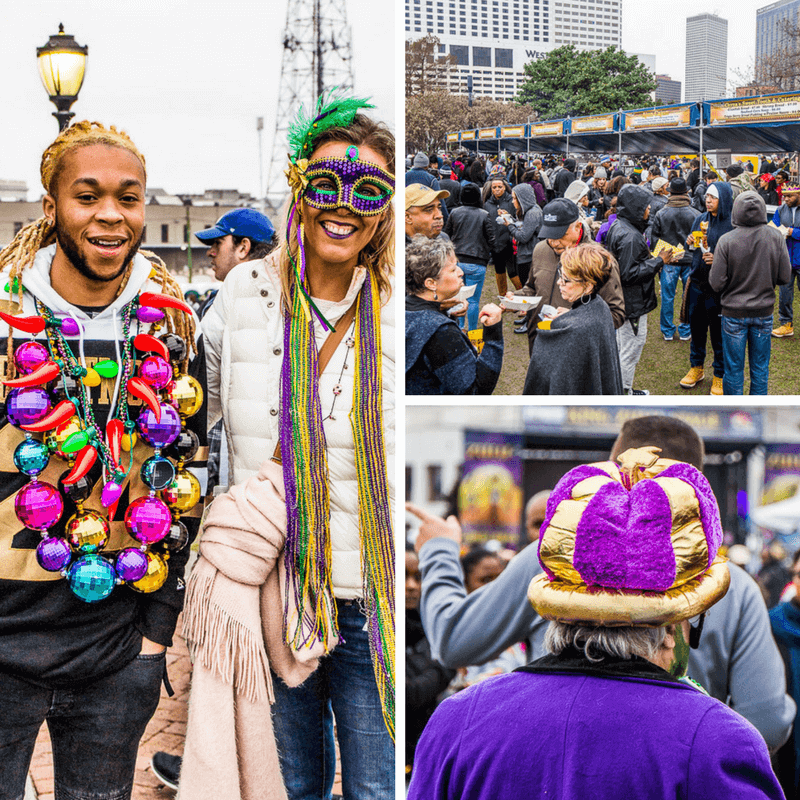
337,236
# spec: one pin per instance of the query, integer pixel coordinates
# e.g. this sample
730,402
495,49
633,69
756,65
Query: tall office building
773,23
668,90
492,40
706,57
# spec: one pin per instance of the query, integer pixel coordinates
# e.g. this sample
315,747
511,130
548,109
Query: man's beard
77,259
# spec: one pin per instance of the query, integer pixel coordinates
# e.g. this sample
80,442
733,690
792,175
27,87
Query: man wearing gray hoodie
748,263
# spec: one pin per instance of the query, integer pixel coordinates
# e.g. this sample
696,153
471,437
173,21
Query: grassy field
663,364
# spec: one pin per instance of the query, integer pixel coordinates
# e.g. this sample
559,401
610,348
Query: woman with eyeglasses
575,351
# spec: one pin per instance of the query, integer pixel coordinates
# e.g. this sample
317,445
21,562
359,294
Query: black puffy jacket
625,240
673,224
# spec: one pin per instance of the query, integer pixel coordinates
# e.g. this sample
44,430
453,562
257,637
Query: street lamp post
62,64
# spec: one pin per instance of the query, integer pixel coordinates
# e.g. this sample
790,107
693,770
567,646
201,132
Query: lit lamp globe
62,64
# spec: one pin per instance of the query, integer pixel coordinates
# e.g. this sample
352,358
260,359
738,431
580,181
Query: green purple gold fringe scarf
305,471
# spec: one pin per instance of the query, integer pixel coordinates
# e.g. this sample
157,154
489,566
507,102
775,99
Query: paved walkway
166,731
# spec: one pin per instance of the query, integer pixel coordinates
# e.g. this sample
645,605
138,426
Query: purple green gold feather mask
359,186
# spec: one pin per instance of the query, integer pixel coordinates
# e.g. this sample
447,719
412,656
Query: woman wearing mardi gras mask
300,348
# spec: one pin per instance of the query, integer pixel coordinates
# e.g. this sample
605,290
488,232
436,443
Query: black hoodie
625,240
750,261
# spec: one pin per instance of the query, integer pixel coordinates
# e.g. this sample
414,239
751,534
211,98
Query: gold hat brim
574,604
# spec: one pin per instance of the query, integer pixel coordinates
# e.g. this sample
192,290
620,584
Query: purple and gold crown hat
630,544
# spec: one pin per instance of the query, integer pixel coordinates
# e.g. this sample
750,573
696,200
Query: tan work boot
716,385
785,330
694,376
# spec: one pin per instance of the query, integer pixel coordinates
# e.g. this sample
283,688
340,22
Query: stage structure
317,57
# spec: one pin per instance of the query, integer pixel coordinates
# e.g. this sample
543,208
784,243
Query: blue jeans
754,333
95,730
342,686
786,298
473,274
670,275
705,321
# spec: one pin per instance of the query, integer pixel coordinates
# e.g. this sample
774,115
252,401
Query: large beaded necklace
52,398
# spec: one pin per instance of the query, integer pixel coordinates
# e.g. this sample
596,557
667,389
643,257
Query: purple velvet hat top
634,543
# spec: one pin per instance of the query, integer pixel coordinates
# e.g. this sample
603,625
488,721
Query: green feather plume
337,110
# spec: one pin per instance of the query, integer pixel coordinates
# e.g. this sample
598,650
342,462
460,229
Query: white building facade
492,40
706,58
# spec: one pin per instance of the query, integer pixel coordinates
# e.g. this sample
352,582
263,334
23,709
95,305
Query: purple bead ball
38,505
159,434
69,327
148,519
30,355
149,314
156,371
53,554
24,406
131,564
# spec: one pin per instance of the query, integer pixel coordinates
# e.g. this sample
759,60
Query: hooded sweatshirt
525,230
625,240
749,261
471,228
47,635
565,177
718,226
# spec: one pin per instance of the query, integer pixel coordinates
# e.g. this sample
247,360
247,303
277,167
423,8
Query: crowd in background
657,217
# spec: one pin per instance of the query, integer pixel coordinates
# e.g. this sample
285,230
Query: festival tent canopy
749,124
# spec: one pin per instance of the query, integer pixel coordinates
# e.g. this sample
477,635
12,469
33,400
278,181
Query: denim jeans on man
474,274
342,686
95,730
786,298
704,320
754,334
669,277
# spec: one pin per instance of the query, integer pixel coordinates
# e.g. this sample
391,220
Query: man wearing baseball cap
424,211
562,228
243,234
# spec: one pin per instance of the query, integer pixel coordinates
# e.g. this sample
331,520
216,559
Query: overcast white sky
659,26
185,78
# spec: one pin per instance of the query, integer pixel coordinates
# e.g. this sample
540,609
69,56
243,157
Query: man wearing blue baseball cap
243,234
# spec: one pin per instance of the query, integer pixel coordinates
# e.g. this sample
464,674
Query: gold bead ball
186,394
87,531
128,441
183,493
55,439
155,577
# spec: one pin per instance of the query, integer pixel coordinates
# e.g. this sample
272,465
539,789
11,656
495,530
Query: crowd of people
683,665
658,219
114,392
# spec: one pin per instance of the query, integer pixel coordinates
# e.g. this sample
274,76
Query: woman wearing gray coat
525,228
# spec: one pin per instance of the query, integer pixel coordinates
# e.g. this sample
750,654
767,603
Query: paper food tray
521,303
465,292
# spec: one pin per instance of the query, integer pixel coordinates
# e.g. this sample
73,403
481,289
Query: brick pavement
166,731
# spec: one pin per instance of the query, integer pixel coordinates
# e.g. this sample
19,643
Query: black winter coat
673,223
502,238
473,233
625,240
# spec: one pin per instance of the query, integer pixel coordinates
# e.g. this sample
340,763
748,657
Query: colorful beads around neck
51,400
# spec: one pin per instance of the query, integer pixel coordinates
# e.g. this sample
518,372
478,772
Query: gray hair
598,643
425,258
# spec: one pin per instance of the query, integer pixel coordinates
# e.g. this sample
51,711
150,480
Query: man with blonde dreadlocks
102,413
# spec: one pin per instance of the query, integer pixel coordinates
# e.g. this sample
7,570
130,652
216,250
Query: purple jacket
569,736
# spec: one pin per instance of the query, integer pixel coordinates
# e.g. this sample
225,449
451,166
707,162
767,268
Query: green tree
576,82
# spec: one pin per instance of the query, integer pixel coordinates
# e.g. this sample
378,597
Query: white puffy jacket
243,334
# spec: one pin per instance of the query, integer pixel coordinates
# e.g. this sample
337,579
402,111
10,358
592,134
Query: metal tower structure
317,57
